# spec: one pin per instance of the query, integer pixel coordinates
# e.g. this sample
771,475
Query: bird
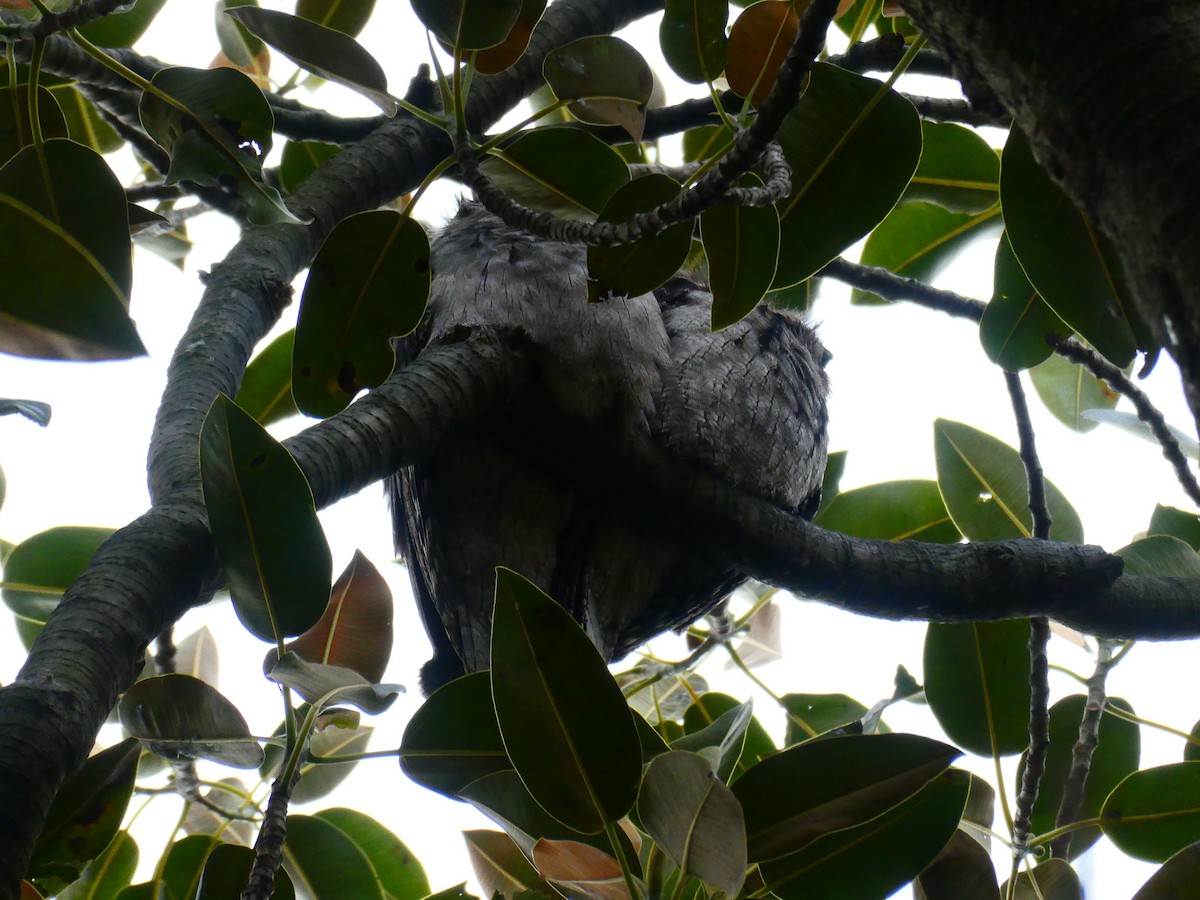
747,404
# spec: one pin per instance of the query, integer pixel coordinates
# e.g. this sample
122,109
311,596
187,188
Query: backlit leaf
1017,321
892,511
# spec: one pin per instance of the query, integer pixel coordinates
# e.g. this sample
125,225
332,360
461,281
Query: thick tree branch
1123,148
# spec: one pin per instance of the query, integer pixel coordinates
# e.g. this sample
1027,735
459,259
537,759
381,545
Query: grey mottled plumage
747,403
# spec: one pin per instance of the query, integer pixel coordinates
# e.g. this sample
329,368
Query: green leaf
398,872
692,37
266,389
918,240
853,146
301,159
87,812
983,483
1115,756
226,871
794,797
181,718
240,47
1070,263
831,483
977,684
811,715
1176,878
264,524
63,214
39,569
327,52
957,171
876,857
1068,389
1154,813
742,244
566,726
962,869
218,131
453,739
369,283
1017,321
607,80
326,863
1177,523
15,131
181,869
84,125
695,819
123,29
891,511
565,171
108,874
632,269
1053,879
494,60
500,866
657,697
758,42
1160,555
318,780
325,684
348,16
715,720
468,24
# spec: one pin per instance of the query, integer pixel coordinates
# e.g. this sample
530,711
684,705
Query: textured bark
1107,93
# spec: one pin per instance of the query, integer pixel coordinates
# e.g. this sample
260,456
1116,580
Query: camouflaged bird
747,404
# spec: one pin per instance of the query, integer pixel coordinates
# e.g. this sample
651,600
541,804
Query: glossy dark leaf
87,811
977,684
15,132
108,874
918,240
696,819
1065,256
874,858
179,873
301,159
892,511
983,483
452,739
349,16
957,171
182,718
565,171
327,863
1115,756
122,29
225,873
220,136
1068,390
369,283
692,37
399,872
355,631
810,715
566,726
1160,555
812,789
758,42
1053,879
632,269
500,866
1017,321
266,389
326,684
264,522
1177,523
40,568
468,24
606,79
741,244
853,146
497,58
962,869
327,52
63,214
1178,876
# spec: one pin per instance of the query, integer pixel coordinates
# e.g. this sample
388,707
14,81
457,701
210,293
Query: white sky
894,371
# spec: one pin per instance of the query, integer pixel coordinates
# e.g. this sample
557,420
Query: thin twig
891,286
1039,631
1146,411
1085,746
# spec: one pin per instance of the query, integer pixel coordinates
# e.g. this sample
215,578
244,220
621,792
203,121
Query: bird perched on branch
515,487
